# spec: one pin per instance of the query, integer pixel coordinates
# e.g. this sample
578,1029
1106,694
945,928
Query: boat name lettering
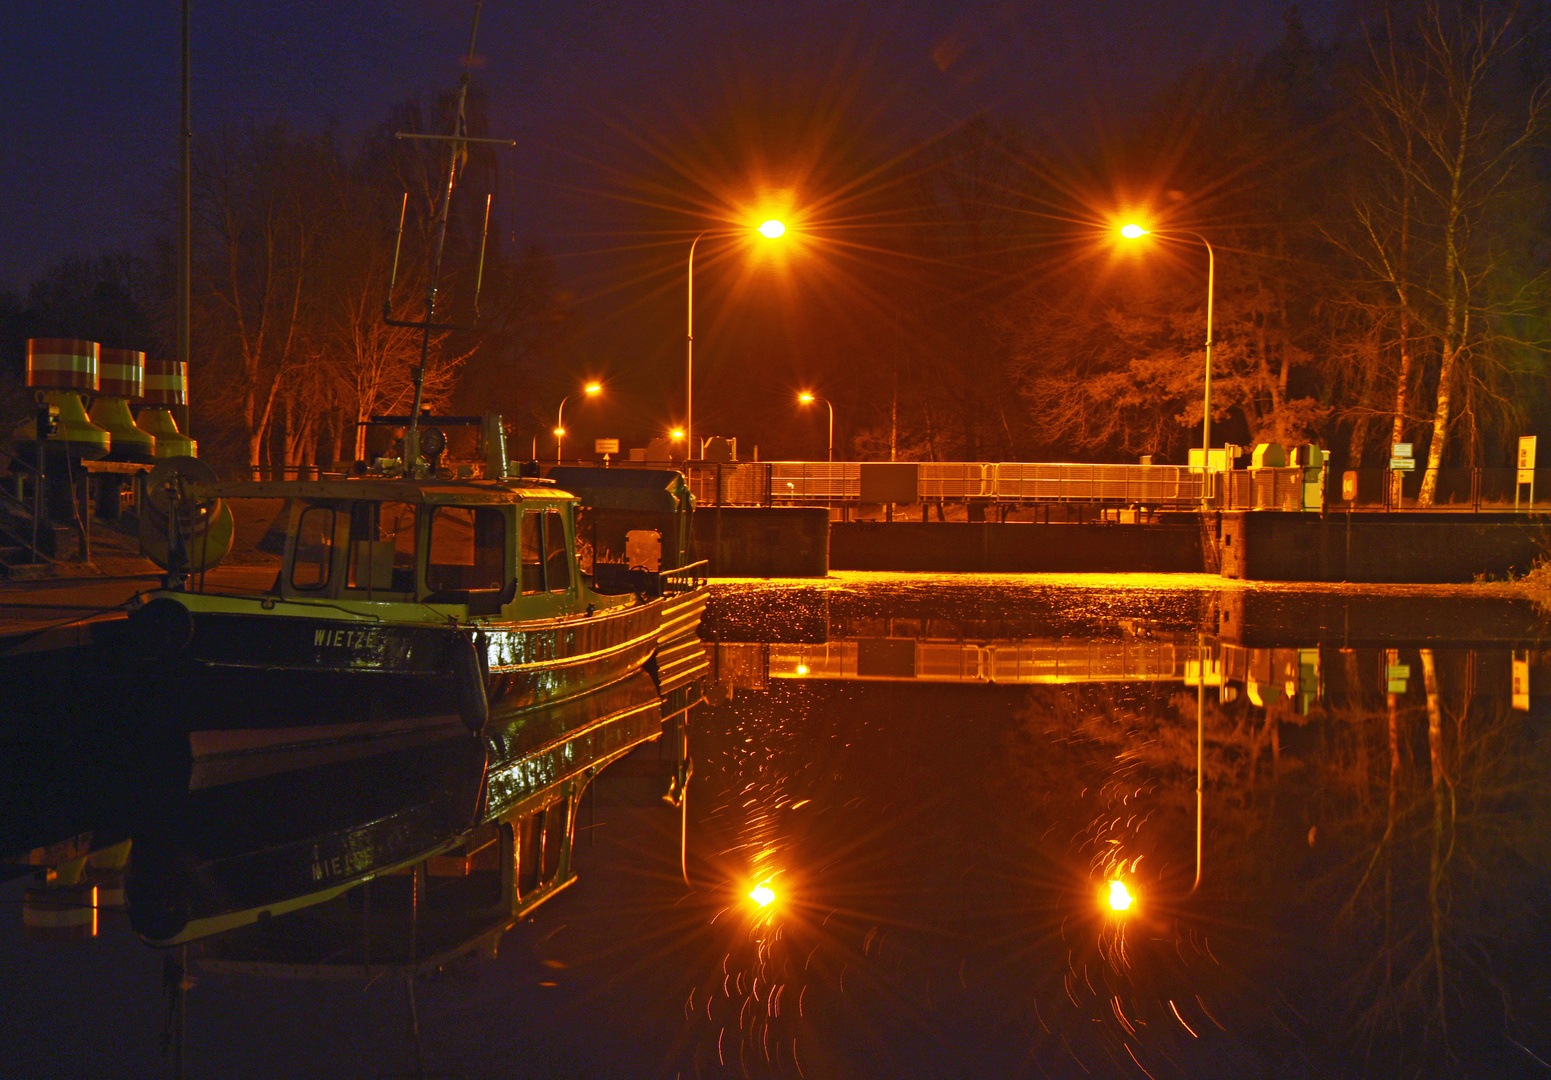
346,639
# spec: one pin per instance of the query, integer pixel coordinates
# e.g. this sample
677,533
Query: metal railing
1473,489
1159,486
683,579
731,483
1180,487
794,481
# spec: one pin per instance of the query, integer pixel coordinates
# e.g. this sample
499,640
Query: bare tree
1448,137
264,203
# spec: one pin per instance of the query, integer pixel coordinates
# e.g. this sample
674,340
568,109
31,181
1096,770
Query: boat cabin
479,546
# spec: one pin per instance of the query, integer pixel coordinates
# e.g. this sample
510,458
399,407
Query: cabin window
557,556
314,550
468,549
532,554
382,546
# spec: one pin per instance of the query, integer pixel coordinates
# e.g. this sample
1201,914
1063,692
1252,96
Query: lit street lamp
770,230
589,389
807,399
1135,232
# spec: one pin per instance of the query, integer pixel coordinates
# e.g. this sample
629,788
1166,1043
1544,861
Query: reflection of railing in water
1264,674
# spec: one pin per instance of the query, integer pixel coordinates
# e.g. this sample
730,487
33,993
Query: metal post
185,255
689,354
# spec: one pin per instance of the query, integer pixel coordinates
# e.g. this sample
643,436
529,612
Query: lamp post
589,389
807,399
1134,232
770,230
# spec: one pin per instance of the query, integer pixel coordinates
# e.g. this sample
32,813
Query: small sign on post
1400,459
605,446
1524,478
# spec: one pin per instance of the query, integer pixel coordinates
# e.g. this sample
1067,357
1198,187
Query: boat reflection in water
915,807
209,853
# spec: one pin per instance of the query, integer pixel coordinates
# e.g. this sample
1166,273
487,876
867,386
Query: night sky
589,91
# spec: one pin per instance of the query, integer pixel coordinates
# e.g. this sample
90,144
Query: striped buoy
166,382
121,376
121,372
62,364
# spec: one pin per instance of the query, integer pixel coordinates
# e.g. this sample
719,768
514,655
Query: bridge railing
808,480
1029,482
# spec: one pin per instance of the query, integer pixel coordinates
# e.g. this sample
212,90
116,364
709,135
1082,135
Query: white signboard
605,446
1400,450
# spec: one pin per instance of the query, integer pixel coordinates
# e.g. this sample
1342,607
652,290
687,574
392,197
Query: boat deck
33,605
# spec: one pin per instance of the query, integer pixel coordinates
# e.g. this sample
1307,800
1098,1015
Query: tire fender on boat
162,627
467,670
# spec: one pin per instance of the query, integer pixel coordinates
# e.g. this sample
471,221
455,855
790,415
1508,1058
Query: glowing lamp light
1119,896
805,397
1133,232
560,431
592,388
762,894
676,433
802,669
772,229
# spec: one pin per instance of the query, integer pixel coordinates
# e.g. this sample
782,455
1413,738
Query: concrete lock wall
1380,548
1015,547
763,541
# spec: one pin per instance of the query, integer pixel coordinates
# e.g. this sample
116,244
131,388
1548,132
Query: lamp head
772,229
806,398
1120,898
560,431
1133,232
676,433
592,388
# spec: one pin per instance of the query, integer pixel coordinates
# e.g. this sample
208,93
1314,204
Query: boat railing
683,579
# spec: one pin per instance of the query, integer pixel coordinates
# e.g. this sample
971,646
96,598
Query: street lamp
589,390
807,399
770,230
1136,232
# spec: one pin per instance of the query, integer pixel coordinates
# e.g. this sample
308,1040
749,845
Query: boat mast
458,151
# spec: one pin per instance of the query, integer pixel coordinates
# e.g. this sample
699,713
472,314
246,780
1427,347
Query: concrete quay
1435,547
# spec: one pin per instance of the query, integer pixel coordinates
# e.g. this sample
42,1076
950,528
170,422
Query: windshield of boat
382,546
468,549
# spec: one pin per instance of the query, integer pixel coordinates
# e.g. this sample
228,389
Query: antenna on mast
459,140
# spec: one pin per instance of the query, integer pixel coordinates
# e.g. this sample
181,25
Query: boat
413,596
407,605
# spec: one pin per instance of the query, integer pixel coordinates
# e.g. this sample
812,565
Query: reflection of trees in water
1438,811
1375,872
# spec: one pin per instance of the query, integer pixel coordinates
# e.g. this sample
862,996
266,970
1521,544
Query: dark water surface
937,779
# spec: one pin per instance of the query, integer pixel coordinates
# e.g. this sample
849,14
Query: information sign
1399,464
1400,450
605,446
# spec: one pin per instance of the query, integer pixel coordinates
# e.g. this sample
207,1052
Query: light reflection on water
1374,845
938,777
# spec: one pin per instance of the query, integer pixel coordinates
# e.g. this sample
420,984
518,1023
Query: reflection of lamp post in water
1200,747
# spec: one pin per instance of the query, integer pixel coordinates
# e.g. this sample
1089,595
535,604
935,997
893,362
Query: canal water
916,801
